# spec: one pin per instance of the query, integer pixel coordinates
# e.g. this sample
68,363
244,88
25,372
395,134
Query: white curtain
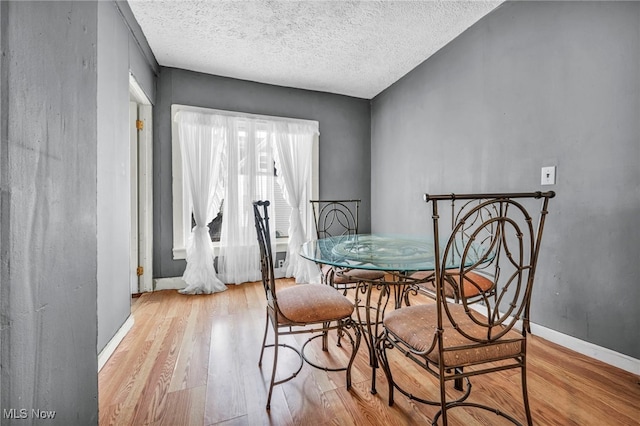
293,145
249,177
231,161
202,138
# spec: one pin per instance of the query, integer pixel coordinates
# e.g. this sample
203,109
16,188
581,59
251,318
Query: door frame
143,191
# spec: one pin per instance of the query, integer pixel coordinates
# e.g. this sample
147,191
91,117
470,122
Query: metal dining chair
476,284
336,218
455,340
298,309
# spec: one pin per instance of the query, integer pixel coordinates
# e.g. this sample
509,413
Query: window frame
180,201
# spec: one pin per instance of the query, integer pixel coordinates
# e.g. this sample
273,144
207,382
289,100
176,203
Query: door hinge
140,270
139,124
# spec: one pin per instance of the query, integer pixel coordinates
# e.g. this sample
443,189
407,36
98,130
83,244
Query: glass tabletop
386,252
373,251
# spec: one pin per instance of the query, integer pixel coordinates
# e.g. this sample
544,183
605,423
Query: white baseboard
583,347
600,353
175,283
110,347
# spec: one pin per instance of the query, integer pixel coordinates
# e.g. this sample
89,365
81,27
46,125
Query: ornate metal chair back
335,217
492,236
261,217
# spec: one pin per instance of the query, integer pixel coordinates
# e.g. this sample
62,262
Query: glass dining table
397,255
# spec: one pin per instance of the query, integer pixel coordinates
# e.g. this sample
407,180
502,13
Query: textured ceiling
355,48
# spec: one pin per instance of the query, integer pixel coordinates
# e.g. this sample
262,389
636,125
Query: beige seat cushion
474,284
353,275
312,303
416,325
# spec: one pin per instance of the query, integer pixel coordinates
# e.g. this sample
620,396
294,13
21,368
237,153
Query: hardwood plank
225,392
186,408
193,360
117,383
153,401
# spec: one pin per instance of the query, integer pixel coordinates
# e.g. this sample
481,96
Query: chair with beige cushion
336,218
475,285
301,308
454,340
479,282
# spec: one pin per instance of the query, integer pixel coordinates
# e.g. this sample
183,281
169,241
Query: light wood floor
193,360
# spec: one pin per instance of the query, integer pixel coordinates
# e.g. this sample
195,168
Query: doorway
140,142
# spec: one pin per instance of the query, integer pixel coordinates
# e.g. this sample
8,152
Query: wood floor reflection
193,360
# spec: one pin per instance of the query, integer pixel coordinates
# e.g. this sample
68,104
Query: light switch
548,176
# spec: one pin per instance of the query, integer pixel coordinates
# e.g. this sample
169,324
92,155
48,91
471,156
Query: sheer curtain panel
293,144
249,176
202,140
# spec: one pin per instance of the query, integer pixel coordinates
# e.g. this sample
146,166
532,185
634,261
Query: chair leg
273,371
384,363
354,348
264,339
457,383
525,396
325,337
443,398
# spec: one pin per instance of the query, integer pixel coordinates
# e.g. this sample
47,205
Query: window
182,218
282,209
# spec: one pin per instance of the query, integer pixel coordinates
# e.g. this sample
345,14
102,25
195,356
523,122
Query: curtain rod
179,107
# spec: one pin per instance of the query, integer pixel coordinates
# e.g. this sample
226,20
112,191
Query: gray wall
344,141
48,239
114,188
532,84
118,52
142,62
